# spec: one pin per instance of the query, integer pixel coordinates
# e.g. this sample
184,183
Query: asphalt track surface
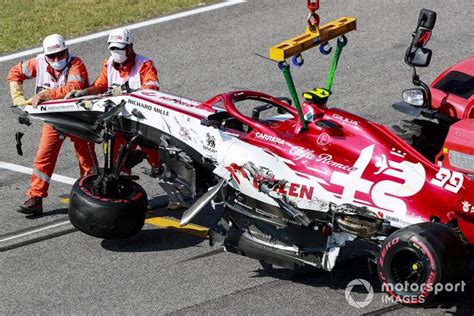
48,267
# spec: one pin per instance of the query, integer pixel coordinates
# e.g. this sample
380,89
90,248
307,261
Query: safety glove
86,104
116,90
16,91
76,94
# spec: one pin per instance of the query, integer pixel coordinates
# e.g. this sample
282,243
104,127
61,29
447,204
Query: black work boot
32,206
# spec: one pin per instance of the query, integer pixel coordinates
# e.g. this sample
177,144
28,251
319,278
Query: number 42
444,175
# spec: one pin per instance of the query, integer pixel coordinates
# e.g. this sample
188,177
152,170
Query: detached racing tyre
416,261
112,217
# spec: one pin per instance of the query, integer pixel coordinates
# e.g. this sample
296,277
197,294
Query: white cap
120,38
53,43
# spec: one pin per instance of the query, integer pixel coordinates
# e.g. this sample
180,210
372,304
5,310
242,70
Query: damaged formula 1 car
296,185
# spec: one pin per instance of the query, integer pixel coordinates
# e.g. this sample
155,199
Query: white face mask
58,65
119,56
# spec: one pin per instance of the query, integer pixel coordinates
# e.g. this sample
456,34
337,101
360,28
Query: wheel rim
408,267
118,190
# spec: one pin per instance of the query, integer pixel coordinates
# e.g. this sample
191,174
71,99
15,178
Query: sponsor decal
210,143
305,154
264,213
140,104
177,101
467,207
116,37
184,133
323,139
309,116
396,220
44,108
290,221
269,138
149,107
150,93
327,159
384,250
296,190
56,46
210,140
301,153
161,111
345,119
393,219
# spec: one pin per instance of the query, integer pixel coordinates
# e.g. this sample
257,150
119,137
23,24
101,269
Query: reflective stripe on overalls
51,141
134,80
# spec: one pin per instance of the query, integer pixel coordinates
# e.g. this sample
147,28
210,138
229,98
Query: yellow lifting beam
311,39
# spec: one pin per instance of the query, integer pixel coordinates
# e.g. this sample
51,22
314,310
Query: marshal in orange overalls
52,84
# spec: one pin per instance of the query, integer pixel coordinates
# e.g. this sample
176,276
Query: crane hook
298,60
342,40
325,49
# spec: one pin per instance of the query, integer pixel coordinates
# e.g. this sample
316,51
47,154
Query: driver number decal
444,176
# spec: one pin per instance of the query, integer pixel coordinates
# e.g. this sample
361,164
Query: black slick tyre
416,261
113,217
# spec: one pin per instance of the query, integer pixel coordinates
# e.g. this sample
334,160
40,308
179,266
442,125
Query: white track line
55,177
131,26
18,168
26,170
34,231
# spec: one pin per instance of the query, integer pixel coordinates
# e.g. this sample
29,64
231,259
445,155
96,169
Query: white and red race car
292,196
295,188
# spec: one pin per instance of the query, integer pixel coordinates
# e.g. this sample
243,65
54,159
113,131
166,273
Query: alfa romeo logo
323,139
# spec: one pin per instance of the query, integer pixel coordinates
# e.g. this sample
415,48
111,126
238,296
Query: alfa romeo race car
296,182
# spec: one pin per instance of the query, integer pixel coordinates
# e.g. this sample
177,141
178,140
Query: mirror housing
421,38
417,55
427,19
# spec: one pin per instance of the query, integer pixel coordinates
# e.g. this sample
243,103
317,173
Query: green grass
26,22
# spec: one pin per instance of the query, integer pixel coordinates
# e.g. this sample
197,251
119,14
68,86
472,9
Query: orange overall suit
55,85
140,73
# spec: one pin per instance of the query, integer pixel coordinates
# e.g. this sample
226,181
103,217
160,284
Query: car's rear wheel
416,263
120,215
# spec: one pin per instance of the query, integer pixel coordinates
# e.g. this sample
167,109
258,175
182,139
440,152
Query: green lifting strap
285,68
333,66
